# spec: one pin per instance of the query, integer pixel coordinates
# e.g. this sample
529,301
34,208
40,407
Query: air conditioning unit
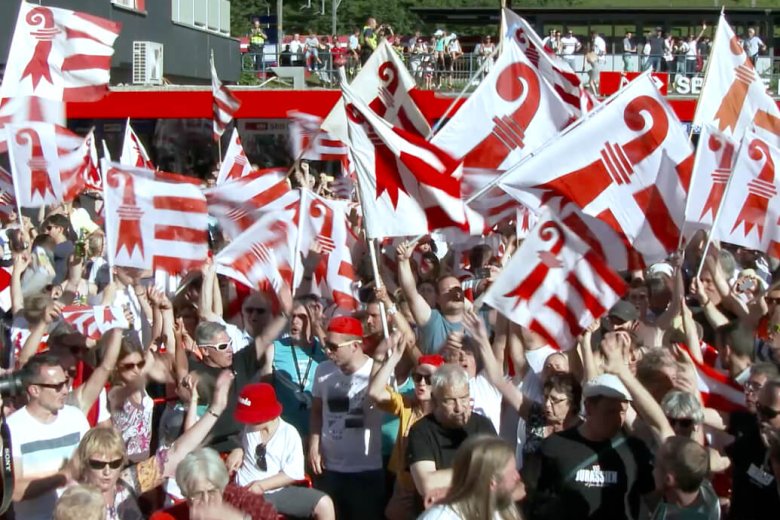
147,63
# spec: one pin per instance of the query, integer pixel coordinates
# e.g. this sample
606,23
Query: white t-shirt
532,382
42,449
569,45
283,453
446,512
487,399
351,437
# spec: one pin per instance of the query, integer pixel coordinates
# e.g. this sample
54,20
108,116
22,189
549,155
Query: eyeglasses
333,347
57,387
751,387
126,367
773,300
260,459
421,377
685,422
100,464
255,310
200,496
221,347
557,401
766,412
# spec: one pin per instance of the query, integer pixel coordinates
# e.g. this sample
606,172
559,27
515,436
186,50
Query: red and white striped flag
47,162
94,321
235,163
408,185
59,54
555,284
7,196
225,104
308,141
717,389
235,204
93,179
152,224
28,108
134,154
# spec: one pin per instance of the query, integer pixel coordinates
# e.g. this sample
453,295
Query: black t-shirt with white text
581,479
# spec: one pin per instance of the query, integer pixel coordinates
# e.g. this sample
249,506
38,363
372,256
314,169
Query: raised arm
21,262
37,331
386,358
421,311
277,325
206,299
87,394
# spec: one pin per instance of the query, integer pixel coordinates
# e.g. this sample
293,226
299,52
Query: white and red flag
733,96
750,211
555,284
235,163
511,114
553,68
28,108
496,205
628,164
408,185
225,104
7,196
134,154
59,54
94,321
384,84
308,141
235,204
715,156
717,389
93,179
48,163
152,224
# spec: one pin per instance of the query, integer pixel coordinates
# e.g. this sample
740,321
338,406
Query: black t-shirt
581,479
754,489
61,253
429,440
224,434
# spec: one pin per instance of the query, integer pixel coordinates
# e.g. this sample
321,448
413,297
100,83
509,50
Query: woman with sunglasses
409,408
101,460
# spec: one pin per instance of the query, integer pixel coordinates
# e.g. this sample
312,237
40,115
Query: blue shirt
433,335
294,369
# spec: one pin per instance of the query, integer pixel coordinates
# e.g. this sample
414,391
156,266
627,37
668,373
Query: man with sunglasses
56,226
44,434
345,447
755,490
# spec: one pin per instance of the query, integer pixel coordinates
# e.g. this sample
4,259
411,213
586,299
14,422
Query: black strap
302,380
7,463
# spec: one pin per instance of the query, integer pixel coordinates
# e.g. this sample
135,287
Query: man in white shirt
629,51
569,45
753,45
345,450
44,435
296,49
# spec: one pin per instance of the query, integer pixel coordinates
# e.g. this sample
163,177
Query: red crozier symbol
527,287
616,162
760,191
260,253
38,66
720,176
40,182
318,209
528,46
517,82
129,230
731,105
385,100
239,162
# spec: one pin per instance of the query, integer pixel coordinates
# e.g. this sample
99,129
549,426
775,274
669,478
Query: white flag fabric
628,164
152,224
28,108
408,186
47,163
511,114
553,68
59,54
384,84
715,156
134,154
734,97
225,104
750,211
235,163
308,141
7,196
495,205
94,321
555,284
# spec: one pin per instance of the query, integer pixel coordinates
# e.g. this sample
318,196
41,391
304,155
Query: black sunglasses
684,422
262,463
258,310
129,366
766,412
421,377
100,464
57,387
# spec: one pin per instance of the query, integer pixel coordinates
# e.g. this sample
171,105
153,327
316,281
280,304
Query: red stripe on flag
84,94
610,277
271,194
658,217
160,175
173,265
346,270
560,308
107,25
591,302
544,333
86,62
180,234
182,204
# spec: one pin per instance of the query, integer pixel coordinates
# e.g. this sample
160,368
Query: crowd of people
224,404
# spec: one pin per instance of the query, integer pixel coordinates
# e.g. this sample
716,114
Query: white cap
661,268
438,32
606,385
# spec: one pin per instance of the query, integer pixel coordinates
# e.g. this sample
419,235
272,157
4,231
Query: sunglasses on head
221,347
100,464
421,377
57,387
766,412
130,366
684,422
262,463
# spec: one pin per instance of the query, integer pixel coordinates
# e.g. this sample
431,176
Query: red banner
611,81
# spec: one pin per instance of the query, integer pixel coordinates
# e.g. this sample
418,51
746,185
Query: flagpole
110,250
299,238
707,70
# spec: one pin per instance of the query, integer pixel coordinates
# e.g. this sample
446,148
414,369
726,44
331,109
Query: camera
12,384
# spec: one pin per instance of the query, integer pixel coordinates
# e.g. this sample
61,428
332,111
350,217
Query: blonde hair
80,503
478,463
106,441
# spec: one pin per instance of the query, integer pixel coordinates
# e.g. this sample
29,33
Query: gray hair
203,463
682,405
446,376
764,369
206,331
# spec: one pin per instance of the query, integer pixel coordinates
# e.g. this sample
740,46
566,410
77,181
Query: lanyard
302,381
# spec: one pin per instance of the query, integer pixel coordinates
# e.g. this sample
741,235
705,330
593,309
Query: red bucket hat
346,325
431,359
257,404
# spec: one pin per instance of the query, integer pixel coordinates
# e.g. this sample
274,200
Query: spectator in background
368,40
454,53
552,42
569,46
656,54
353,47
484,51
296,51
753,45
257,38
58,228
629,51
311,52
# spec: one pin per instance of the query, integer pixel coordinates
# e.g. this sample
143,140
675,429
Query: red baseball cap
346,325
257,404
431,359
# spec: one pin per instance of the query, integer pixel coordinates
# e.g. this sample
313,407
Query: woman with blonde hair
485,483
